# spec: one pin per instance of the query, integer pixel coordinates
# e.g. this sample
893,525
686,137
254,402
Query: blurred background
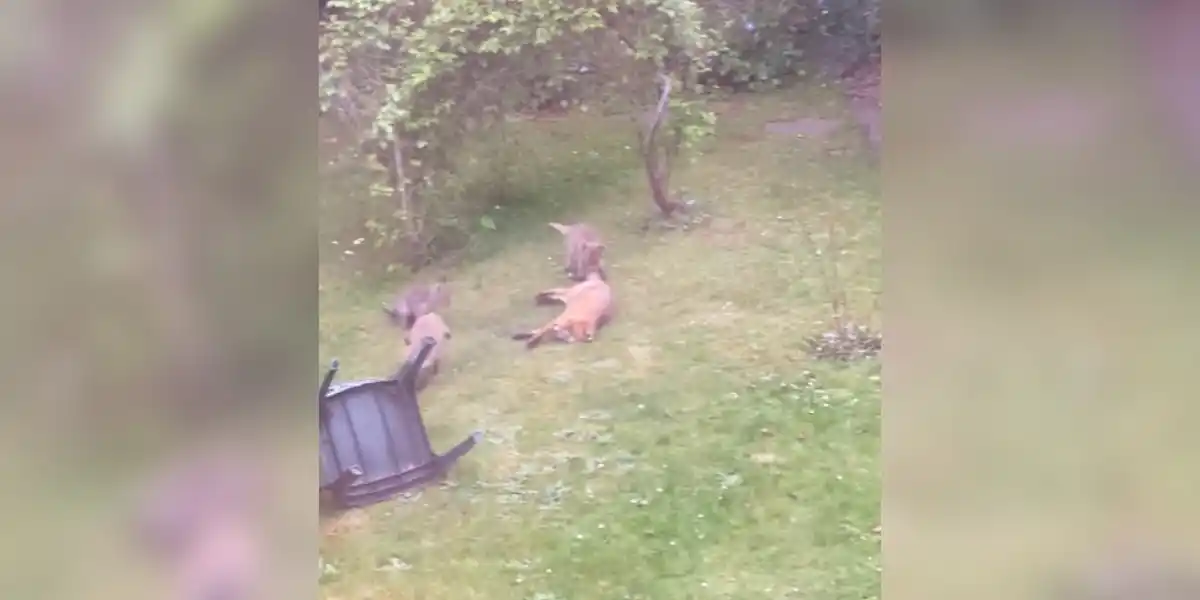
160,300
1040,175
158,226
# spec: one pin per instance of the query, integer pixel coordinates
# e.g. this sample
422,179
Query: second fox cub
417,300
428,325
585,250
587,308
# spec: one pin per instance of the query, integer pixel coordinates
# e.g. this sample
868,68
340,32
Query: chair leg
339,486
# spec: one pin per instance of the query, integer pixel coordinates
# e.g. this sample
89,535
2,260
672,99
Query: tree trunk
659,181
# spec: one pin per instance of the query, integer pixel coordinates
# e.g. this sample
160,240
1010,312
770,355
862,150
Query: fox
581,240
428,325
587,307
415,301
559,295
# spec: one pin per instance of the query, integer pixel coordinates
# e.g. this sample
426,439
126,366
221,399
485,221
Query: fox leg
555,292
577,270
572,332
567,333
535,337
551,295
422,379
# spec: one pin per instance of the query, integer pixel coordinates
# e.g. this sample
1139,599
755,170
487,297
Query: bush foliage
411,82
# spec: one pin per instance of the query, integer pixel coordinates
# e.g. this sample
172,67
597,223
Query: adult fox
587,307
581,241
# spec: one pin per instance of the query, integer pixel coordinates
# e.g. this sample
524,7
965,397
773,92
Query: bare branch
657,169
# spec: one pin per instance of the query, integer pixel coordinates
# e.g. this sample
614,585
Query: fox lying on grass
557,295
416,301
587,307
428,325
581,241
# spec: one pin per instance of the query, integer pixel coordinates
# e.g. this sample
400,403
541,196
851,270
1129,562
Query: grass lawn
693,450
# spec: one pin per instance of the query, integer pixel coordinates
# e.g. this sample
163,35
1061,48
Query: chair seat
373,442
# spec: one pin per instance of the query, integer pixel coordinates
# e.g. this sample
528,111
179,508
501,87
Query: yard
693,450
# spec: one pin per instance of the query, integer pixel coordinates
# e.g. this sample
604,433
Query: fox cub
416,301
428,325
584,249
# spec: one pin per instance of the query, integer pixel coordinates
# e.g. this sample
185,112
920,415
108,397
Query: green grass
692,450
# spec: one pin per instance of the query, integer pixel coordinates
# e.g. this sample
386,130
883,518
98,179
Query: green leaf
487,223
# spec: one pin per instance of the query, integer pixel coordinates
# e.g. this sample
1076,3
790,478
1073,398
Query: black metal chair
373,441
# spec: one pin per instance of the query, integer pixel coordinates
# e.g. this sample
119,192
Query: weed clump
844,343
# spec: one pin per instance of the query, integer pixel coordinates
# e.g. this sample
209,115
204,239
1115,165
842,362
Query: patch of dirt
725,232
608,364
765,458
642,355
862,88
690,215
348,522
727,108
726,317
725,225
644,361
811,127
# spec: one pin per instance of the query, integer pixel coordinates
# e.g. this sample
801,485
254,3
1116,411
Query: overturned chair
373,441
